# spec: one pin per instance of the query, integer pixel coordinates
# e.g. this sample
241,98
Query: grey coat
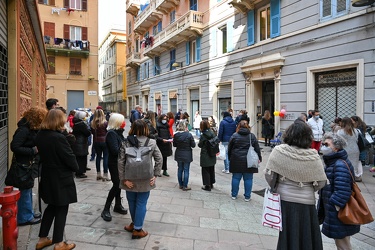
139,185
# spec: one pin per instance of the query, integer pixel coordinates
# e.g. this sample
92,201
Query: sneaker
367,166
227,172
233,198
223,171
358,179
247,200
186,188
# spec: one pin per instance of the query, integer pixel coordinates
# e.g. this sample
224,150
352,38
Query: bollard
8,200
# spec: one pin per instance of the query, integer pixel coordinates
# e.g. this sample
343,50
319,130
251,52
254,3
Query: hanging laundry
47,39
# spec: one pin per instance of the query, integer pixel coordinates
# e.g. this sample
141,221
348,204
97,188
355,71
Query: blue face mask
326,150
316,117
164,121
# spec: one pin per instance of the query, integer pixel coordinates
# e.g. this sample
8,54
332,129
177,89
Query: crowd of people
61,145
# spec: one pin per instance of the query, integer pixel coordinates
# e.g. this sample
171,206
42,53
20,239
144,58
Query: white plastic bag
369,138
271,216
222,154
252,157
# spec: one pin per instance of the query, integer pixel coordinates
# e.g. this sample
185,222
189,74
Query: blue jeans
226,161
25,206
198,132
248,184
137,206
183,173
101,147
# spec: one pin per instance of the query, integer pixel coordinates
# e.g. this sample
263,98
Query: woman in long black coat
163,140
57,187
81,147
267,128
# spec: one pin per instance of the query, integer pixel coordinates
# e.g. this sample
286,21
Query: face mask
164,121
316,117
326,150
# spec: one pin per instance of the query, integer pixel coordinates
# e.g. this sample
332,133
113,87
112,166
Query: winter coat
57,185
99,133
267,131
226,129
184,142
337,192
153,133
163,133
140,185
113,141
81,132
205,159
23,143
238,147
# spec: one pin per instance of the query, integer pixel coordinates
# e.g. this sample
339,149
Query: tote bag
271,216
252,157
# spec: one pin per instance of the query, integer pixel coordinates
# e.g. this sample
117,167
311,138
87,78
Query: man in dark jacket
226,129
136,114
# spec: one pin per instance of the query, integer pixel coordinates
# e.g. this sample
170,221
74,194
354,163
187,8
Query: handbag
252,157
362,142
369,138
271,216
20,175
356,211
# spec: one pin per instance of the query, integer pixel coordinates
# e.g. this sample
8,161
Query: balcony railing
65,47
173,34
133,59
147,18
133,6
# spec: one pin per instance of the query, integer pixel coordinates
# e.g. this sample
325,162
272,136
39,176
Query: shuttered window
51,65
47,2
49,29
75,66
198,52
250,28
76,4
230,35
75,32
194,94
224,91
187,45
275,18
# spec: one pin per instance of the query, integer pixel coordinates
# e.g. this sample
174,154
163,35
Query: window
76,4
49,29
75,66
145,72
47,2
156,29
156,65
333,8
172,16
51,65
223,40
137,45
194,5
129,27
138,72
172,55
75,33
264,23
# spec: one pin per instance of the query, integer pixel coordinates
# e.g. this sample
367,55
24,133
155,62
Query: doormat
260,192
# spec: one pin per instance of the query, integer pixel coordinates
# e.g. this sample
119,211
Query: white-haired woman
114,139
336,194
81,147
184,142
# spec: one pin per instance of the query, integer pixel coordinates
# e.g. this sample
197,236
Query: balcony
132,7
165,6
147,18
190,24
61,47
133,59
243,5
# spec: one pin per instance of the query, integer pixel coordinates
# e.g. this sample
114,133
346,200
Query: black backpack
212,146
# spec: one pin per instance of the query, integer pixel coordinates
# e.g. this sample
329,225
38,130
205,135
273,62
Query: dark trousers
57,213
115,191
164,167
208,175
82,164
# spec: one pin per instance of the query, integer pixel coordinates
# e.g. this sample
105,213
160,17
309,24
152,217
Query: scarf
296,164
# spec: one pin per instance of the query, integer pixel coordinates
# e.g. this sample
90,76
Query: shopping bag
252,157
222,154
271,216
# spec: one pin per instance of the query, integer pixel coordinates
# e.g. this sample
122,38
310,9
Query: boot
120,209
98,176
106,215
137,234
105,177
130,227
165,173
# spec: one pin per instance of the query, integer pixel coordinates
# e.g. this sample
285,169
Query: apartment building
252,54
70,29
112,72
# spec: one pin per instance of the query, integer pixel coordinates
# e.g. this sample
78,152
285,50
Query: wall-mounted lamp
177,64
91,77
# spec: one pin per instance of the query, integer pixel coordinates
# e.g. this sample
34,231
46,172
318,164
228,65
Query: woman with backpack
113,140
163,140
207,162
184,142
138,183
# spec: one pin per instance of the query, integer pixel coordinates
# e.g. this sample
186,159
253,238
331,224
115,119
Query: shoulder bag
356,211
362,142
252,157
20,175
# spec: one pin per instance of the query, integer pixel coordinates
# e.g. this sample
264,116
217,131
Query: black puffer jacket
184,142
163,133
81,132
113,141
237,151
23,143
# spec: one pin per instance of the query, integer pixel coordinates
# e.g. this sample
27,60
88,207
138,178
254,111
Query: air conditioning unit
361,3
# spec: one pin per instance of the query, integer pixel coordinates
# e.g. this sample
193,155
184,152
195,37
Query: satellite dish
361,3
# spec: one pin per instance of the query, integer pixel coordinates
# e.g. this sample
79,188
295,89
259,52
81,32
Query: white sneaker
227,172
223,171
247,200
233,198
367,166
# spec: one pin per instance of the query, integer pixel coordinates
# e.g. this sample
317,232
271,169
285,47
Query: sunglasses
325,144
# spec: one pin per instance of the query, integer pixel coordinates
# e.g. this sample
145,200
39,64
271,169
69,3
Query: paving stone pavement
179,219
